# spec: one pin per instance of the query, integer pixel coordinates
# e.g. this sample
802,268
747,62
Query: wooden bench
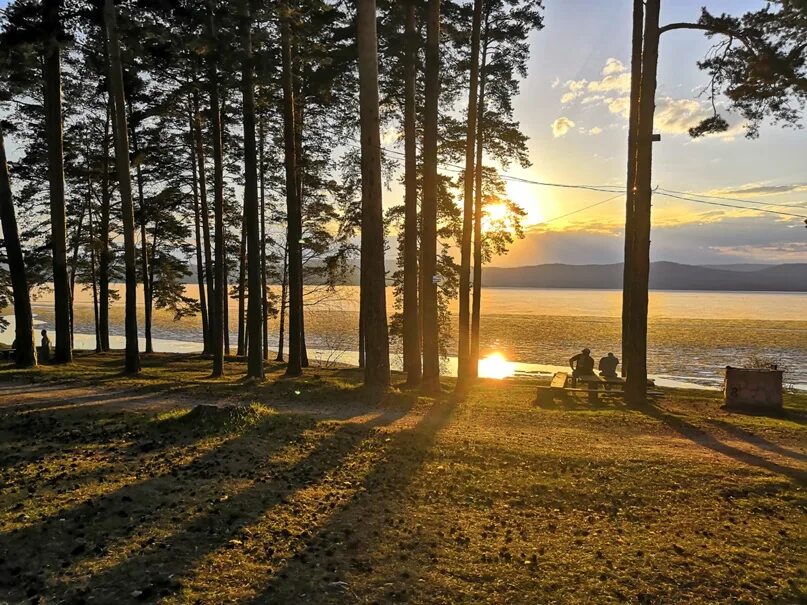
563,385
8,353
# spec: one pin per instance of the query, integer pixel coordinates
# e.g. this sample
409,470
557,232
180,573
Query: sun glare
496,366
526,196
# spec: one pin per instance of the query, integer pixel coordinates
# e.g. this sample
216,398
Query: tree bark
125,186
219,298
251,209
148,303
411,319
293,210
201,271
464,348
74,264
104,256
25,356
207,269
479,206
94,277
300,164
284,286
262,195
633,126
636,383
242,284
373,274
431,327
52,75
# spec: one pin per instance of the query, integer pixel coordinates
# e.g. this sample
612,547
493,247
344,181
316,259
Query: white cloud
673,115
561,126
611,83
569,96
677,116
613,66
619,106
556,82
594,131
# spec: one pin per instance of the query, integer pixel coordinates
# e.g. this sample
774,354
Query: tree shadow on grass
758,441
707,440
33,557
321,560
199,509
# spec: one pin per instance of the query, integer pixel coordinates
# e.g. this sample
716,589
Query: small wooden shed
753,387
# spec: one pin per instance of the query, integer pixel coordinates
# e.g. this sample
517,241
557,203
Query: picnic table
564,384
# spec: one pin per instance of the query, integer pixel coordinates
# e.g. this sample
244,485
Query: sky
572,107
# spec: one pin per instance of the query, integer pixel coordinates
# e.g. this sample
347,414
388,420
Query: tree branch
713,30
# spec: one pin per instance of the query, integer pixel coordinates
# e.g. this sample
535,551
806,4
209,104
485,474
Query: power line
509,177
681,195
557,218
689,199
734,199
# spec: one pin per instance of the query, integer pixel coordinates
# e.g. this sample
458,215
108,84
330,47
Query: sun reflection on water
496,366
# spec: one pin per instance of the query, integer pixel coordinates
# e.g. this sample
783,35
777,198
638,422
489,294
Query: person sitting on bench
44,350
608,365
582,364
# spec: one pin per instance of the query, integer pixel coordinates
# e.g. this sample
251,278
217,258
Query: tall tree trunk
52,75
148,303
262,194
201,270
225,311
633,128
94,278
362,338
431,327
218,300
25,356
373,274
242,285
125,185
479,203
204,209
104,256
299,103
284,287
636,385
464,347
411,315
251,208
74,265
294,212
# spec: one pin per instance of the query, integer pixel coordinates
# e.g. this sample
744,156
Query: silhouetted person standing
608,365
582,364
44,349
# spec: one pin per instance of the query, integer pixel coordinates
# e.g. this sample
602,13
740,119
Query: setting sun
526,196
496,366
494,213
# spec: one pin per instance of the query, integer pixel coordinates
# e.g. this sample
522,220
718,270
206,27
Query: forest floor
313,490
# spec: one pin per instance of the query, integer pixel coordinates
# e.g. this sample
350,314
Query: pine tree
121,137
52,78
428,267
293,210
251,215
464,371
373,298
25,356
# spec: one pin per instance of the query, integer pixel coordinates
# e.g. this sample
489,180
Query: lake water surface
692,335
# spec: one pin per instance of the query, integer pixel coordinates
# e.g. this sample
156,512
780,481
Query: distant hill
663,276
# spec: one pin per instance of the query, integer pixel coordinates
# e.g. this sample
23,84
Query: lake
692,335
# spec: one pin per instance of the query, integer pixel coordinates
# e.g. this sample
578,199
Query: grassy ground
315,491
